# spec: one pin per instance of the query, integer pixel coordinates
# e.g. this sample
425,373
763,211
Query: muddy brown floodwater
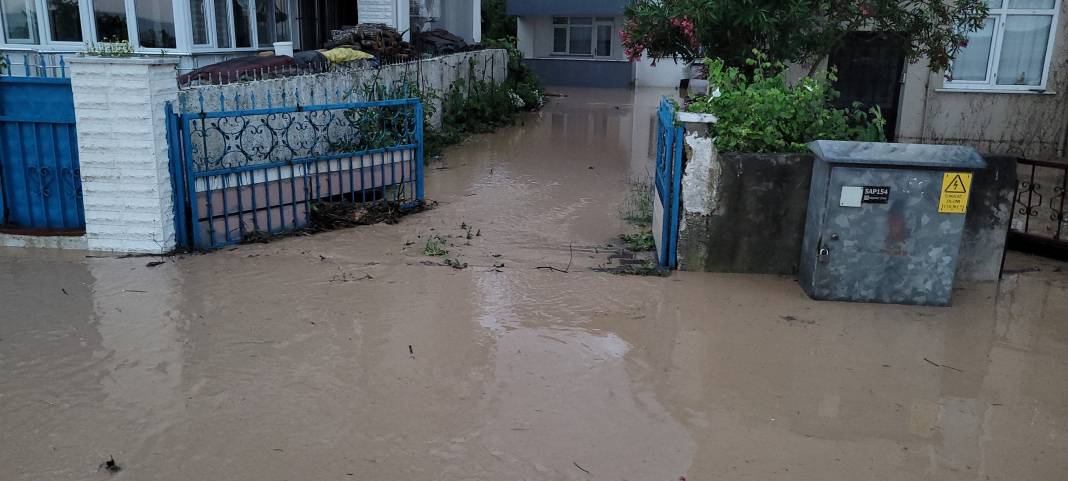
291,360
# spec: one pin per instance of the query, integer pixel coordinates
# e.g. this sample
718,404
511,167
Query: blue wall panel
582,73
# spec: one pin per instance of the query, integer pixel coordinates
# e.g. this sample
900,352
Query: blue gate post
178,190
419,151
676,196
668,182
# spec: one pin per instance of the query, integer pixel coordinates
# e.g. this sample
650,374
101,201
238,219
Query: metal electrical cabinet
884,221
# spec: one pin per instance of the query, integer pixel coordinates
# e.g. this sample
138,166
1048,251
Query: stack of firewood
378,39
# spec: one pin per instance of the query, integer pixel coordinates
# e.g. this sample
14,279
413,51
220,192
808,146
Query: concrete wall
746,213
1026,124
122,148
438,73
987,223
742,212
666,73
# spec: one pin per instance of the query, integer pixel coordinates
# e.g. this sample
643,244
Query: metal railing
189,78
47,65
264,170
1039,223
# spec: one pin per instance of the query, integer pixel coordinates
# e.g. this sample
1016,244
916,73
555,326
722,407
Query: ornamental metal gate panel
667,186
241,175
40,180
1039,222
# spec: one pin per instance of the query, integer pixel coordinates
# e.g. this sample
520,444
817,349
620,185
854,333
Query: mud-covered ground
352,355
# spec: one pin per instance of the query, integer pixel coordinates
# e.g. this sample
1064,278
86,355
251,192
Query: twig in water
580,467
571,258
941,365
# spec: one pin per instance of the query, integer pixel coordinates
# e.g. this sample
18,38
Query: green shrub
762,112
521,79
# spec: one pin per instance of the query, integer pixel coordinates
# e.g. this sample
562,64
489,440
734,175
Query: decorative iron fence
667,187
265,170
1039,223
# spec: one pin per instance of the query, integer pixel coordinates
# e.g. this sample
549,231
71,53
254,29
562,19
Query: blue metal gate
244,174
40,181
668,183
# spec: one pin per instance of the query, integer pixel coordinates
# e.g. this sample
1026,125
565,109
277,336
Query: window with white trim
1012,51
584,36
149,25
20,21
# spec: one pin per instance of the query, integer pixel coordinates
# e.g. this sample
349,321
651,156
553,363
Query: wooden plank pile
378,39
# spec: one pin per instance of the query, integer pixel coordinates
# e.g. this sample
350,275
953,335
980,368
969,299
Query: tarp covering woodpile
378,39
442,42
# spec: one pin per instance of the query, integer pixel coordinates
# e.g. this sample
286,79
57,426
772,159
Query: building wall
394,13
540,30
574,8
667,72
1026,124
461,17
535,39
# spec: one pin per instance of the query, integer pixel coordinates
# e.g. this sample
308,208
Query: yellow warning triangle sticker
956,186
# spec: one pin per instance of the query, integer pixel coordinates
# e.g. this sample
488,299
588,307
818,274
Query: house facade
204,31
576,43
1006,92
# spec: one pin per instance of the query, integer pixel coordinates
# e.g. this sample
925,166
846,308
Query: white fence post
122,149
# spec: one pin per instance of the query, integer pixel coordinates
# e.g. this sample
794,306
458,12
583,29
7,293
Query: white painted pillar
476,21
524,32
122,149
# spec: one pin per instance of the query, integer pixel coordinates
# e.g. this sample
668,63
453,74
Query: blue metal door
668,184
40,181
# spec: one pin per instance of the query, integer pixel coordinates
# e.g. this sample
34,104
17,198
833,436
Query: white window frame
4,38
597,21
183,26
1000,15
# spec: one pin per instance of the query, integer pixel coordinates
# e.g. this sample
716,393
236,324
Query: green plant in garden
435,246
109,49
495,22
639,242
521,80
795,30
467,107
763,112
638,204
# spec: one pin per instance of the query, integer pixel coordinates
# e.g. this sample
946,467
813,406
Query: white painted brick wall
122,149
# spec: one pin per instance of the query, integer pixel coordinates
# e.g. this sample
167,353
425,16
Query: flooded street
352,355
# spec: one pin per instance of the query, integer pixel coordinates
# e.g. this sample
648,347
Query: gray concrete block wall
753,220
746,213
437,74
987,224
